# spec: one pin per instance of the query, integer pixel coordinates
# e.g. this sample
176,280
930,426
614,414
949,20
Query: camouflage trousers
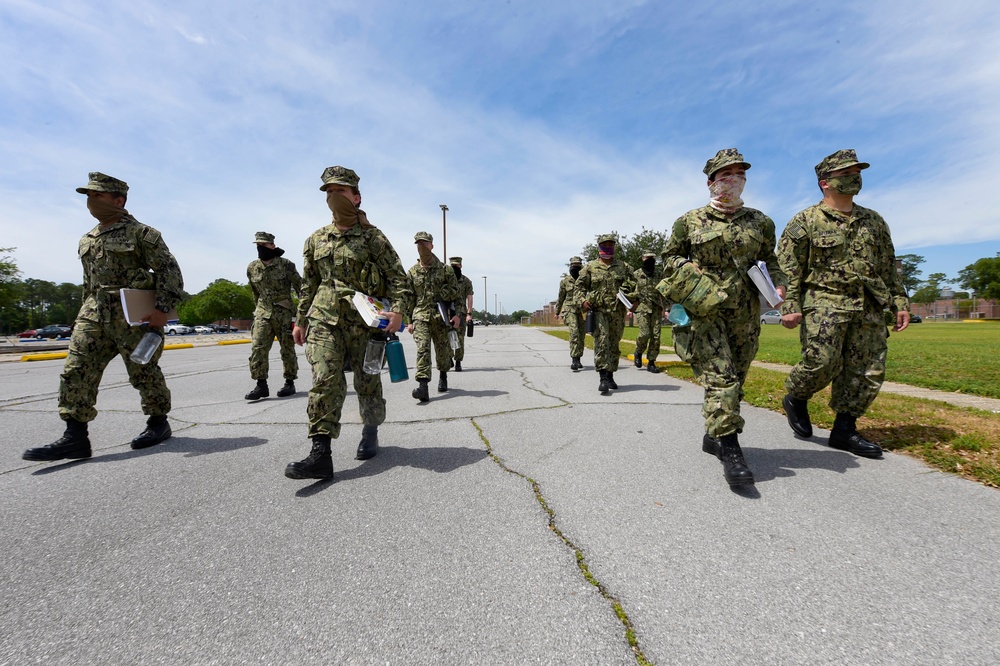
425,332
574,322
326,348
608,330
92,346
847,349
720,349
262,335
648,341
460,352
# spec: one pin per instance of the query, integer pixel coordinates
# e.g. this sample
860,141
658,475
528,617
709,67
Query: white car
771,317
203,330
176,329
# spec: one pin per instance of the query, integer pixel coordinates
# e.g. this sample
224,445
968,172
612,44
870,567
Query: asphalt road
461,543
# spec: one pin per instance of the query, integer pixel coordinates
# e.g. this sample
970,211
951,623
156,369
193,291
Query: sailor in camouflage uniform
722,240
338,260
842,278
568,308
597,289
118,253
464,305
648,311
432,282
273,280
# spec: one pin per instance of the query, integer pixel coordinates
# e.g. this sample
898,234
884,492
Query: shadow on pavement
770,464
189,446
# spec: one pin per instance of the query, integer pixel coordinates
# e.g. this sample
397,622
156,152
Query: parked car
771,317
223,328
30,333
915,319
176,329
53,331
203,330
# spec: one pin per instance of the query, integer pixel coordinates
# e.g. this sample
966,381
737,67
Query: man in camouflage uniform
272,279
432,283
648,311
568,308
464,305
118,253
842,278
722,240
597,289
336,260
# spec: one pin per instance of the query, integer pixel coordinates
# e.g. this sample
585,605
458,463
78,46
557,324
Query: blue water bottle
678,315
397,362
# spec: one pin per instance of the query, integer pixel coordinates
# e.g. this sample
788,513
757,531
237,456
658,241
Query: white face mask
725,192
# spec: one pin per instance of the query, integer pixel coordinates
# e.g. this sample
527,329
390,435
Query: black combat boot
638,359
458,366
443,383
727,449
604,387
317,465
157,430
421,393
611,380
368,446
576,365
73,444
845,436
651,367
797,411
286,390
259,391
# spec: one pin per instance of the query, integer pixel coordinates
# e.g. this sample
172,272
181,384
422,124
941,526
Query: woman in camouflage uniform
597,289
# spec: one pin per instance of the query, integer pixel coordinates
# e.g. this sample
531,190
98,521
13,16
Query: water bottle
591,322
468,328
146,348
453,339
678,315
374,352
397,363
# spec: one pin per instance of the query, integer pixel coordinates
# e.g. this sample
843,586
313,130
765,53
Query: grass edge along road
958,440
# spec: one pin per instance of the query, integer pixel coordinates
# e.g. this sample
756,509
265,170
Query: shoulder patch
151,236
795,230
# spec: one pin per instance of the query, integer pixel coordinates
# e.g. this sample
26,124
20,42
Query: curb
51,356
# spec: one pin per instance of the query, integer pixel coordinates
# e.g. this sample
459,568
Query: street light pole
444,232
486,300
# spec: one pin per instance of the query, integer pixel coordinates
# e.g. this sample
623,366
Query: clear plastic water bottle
147,347
678,315
374,352
453,339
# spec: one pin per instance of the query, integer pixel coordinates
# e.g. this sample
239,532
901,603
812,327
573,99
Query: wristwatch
163,309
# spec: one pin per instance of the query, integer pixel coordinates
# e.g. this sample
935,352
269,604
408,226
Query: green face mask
849,184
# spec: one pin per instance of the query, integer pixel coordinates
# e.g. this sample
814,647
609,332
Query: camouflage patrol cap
455,261
338,175
839,160
102,183
263,237
575,260
607,238
724,158
423,236
648,253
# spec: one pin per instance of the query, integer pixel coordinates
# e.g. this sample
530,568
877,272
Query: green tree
223,299
10,292
631,248
516,315
909,271
982,277
930,290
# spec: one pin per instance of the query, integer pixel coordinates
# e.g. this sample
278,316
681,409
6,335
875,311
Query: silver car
771,317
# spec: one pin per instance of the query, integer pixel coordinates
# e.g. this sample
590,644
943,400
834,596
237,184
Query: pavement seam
581,560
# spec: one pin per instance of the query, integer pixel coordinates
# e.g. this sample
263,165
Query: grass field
953,439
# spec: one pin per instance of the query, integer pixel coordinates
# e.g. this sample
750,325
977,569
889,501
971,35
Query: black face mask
458,271
574,271
266,253
647,267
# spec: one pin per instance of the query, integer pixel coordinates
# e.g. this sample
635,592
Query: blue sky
539,124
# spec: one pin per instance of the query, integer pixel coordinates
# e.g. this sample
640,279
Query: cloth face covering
104,211
849,184
647,266
606,251
725,193
574,271
266,253
345,213
458,272
425,253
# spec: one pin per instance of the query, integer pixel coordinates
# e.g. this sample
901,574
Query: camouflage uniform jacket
126,254
566,300
464,291
646,297
436,282
334,263
599,284
271,285
832,258
724,248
